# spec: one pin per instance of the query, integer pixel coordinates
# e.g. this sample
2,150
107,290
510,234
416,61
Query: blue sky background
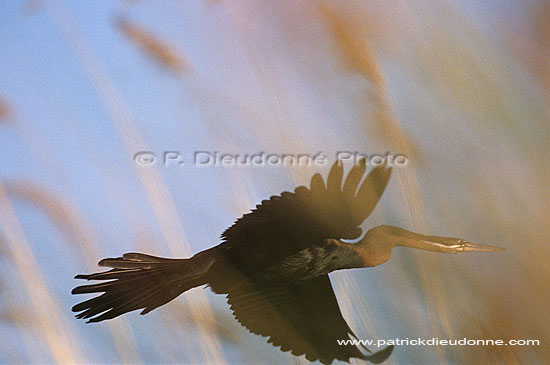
268,76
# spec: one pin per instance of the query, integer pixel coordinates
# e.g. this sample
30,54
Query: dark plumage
273,265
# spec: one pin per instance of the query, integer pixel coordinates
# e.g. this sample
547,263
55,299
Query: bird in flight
273,265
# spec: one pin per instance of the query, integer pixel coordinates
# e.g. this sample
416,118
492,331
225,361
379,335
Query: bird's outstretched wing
301,317
288,223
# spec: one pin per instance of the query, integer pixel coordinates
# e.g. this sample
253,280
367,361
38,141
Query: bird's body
314,261
273,265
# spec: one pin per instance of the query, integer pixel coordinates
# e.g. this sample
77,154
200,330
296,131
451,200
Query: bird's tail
137,281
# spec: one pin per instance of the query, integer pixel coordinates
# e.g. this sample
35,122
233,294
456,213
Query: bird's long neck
377,245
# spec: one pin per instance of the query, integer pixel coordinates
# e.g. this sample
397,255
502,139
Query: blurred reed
15,315
6,111
211,99
222,323
68,220
359,56
132,139
63,347
153,46
75,228
534,47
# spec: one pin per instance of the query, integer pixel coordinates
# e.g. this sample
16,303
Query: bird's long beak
444,244
451,245
466,246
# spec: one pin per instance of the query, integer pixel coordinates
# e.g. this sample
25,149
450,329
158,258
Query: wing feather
370,192
317,184
293,221
354,177
302,317
334,180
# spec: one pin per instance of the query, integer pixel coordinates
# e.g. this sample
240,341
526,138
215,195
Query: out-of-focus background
461,87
